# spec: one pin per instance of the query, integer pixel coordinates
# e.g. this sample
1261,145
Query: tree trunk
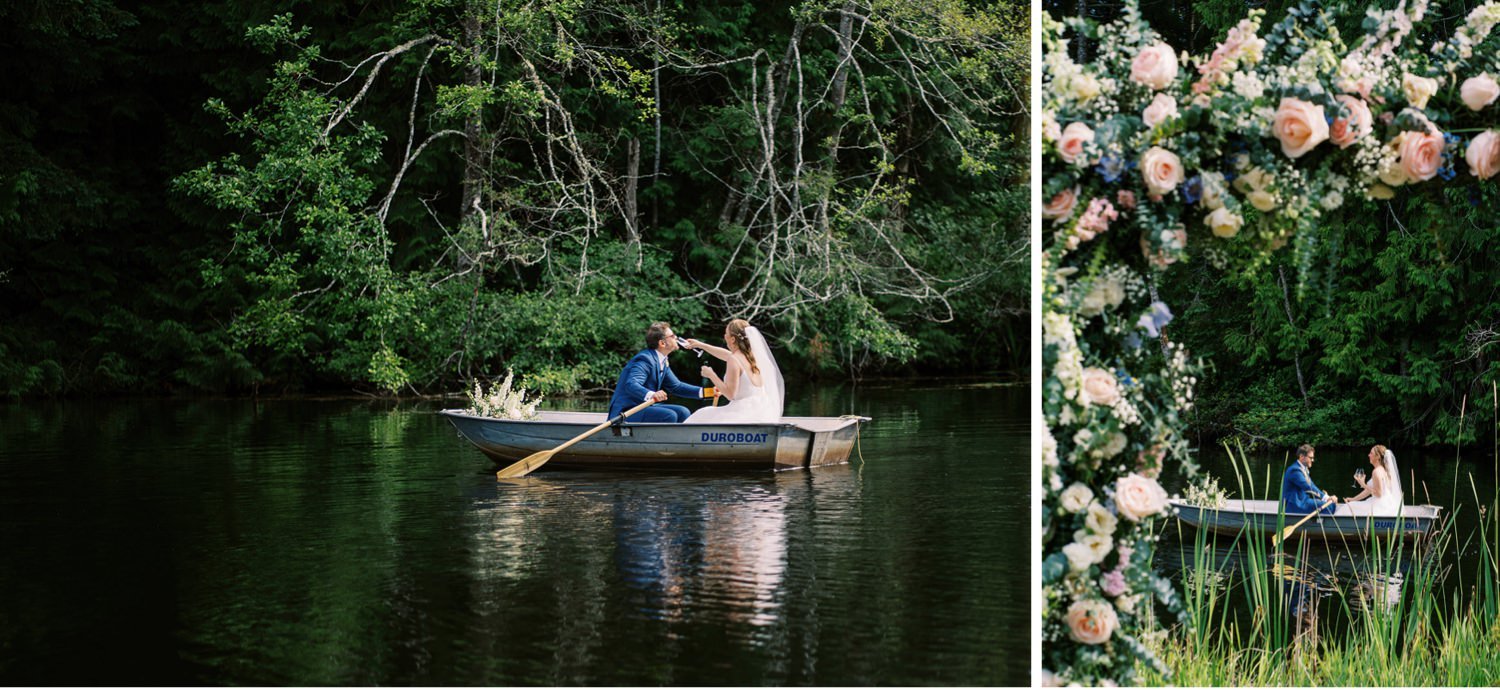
632,177
473,124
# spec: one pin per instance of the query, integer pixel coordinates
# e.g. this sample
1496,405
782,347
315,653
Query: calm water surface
340,542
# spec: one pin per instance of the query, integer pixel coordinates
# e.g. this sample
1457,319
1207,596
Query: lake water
310,542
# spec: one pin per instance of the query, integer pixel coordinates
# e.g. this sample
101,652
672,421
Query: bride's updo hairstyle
741,345
1381,450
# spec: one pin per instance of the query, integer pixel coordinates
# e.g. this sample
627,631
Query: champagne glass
1359,475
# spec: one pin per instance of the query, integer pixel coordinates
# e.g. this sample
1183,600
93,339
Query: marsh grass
1437,625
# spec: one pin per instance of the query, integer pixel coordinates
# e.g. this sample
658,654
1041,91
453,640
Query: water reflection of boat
794,443
1251,516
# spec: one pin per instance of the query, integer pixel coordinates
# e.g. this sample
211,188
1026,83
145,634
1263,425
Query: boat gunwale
783,424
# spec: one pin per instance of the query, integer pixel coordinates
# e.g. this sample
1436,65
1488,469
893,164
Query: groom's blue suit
1300,495
645,374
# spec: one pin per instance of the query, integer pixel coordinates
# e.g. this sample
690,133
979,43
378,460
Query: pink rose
1100,386
1484,155
1061,206
1162,170
1155,66
1421,155
1162,108
1352,127
1137,497
1300,126
1070,144
1091,621
1478,92
1126,199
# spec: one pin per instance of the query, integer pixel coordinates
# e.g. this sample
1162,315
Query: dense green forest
401,196
1384,329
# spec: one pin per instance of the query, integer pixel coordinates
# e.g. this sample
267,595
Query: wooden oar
1277,539
526,465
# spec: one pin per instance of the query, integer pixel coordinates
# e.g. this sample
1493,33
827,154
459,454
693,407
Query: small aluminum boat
1347,522
794,443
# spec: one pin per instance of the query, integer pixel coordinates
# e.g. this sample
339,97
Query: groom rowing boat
1299,494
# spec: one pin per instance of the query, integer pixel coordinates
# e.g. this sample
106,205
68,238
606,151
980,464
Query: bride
751,380
1382,493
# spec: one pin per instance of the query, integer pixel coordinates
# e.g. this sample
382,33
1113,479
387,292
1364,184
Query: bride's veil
1394,473
770,374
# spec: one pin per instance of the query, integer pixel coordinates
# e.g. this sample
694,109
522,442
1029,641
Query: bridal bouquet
1152,156
502,402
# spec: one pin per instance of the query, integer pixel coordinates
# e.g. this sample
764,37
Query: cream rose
1104,294
1421,155
1161,169
1080,557
1098,545
1351,128
1061,206
1300,126
1085,87
1100,520
1213,190
1478,92
1070,144
1418,89
1100,387
1075,498
1380,191
1137,497
1155,66
1091,621
1224,222
1483,155
1262,200
1162,108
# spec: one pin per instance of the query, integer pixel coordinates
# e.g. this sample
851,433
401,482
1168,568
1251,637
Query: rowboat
793,443
1347,522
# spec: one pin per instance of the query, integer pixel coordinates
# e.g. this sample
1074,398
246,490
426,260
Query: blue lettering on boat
737,437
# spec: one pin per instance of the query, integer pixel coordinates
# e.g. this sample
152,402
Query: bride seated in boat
1381,494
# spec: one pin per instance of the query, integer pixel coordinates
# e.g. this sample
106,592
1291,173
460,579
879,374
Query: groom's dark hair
655,332
1304,450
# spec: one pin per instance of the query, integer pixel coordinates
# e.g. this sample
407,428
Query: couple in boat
752,383
1381,494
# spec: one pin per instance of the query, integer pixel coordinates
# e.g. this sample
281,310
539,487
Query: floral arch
1151,157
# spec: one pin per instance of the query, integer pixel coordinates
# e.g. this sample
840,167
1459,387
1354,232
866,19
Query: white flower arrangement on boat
502,402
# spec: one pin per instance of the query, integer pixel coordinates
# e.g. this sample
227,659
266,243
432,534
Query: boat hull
794,443
1261,517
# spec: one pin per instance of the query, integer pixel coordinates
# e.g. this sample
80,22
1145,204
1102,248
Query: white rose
1138,497
1478,92
1100,520
1097,544
1100,387
1080,557
1224,222
1418,89
1104,294
1075,498
1162,108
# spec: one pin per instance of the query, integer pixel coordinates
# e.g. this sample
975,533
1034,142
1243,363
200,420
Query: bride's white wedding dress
753,404
1389,502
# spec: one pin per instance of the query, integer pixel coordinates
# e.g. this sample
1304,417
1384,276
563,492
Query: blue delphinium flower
1451,144
1155,319
1192,190
1111,167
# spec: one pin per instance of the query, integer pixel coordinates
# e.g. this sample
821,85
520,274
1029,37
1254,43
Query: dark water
340,542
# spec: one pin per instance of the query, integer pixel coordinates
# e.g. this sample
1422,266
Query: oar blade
525,465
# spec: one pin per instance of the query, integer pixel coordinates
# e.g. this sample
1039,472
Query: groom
648,377
1298,492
